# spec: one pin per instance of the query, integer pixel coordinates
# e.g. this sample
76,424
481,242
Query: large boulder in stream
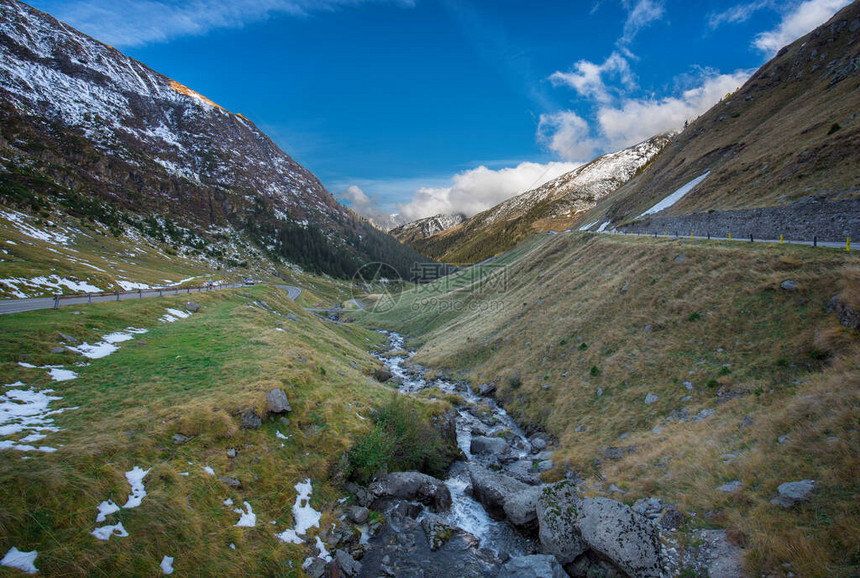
626,538
492,489
412,486
557,510
534,566
484,445
521,508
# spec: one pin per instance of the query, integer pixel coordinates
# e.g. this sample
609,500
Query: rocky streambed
492,516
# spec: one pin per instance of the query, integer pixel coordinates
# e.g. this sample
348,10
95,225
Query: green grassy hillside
196,377
753,382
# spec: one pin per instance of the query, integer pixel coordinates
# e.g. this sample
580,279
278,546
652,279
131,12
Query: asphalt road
8,306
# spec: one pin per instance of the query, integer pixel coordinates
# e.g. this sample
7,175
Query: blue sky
426,106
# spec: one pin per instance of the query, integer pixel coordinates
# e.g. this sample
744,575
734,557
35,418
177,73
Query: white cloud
568,135
355,196
634,120
639,15
138,22
587,78
738,13
468,192
802,19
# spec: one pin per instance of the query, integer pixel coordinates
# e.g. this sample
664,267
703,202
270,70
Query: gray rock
347,564
746,422
437,530
382,375
613,489
413,486
231,453
487,388
624,289
557,510
651,398
618,533
68,338
672,518
680,258
538,444
688,385
276,400
534,566
250,420
491,489
543,465
291,317
793,493
648,328
720,557
731,487
788,285
358,514
486,445
192,306
521,508
230,481
57,349
783,439
703,414
179,439
648,507
316,568
362,496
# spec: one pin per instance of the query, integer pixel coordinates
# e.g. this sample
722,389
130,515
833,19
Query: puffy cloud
567,134
799,21
139,22
479,189
355,196
634,120
587,78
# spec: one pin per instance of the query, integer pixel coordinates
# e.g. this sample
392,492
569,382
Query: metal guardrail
141,293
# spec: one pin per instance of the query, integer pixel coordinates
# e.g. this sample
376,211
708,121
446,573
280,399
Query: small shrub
834,127
594,371
724,371
514,380
694,317
713,383
782,362
583,346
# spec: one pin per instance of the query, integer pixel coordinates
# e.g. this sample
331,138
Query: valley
209,366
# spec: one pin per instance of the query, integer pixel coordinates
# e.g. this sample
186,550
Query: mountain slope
789,133
426,227
92,133
550,207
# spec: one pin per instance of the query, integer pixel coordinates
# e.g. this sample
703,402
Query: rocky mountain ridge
426,227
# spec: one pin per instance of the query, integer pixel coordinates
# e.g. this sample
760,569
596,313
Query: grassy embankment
192,377
583,327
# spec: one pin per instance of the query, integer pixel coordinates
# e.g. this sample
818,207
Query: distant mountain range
426,227
552,206
91,133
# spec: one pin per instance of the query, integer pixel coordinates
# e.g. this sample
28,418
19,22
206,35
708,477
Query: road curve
292,291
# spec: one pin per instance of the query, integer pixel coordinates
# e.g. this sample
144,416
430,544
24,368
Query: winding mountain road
9,306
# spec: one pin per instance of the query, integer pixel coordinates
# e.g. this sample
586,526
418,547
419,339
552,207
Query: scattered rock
492,489
788,285
230,481
68,339
437,530
382,375
848,316
720,557
672,518
651,398
543,465
232,452
276,400
538,444
57,349
557,510
291,317
347,564
413,486
520,508
316,568
613,453
648,328
250,420
627,539
688,385
192,306
793,493
624,289
680,258
746,422
648,507
704,414
358,514
783,439
731,487
179,439
486,445
613,489
487,388
534,566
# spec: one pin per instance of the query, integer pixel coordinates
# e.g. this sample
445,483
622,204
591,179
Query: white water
466,513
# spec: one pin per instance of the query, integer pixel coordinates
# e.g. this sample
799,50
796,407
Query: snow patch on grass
248,519
675,197
27,410
105,532
106,508
209,470
167,565
19,560
138,492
